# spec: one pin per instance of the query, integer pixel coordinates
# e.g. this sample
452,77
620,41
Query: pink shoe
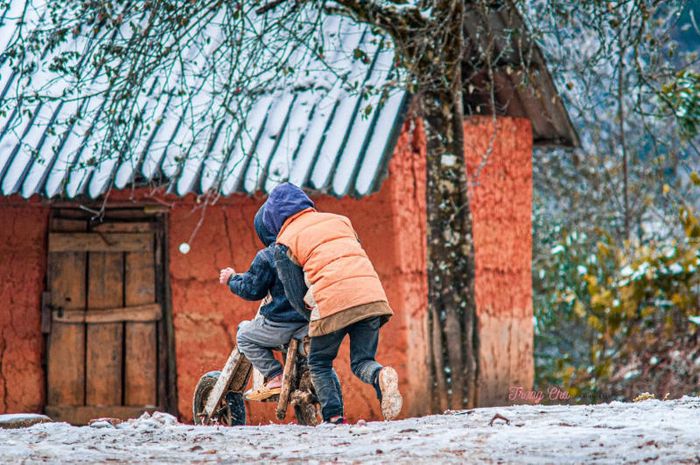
272,388
275,382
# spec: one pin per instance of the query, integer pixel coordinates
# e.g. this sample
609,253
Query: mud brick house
104,316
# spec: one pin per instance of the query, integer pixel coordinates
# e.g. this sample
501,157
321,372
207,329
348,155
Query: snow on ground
650,431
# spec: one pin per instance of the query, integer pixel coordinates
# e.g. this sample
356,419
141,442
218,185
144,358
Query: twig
265,8
498,416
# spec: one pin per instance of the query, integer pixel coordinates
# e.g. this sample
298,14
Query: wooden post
217,393
104,356
287,378
65,366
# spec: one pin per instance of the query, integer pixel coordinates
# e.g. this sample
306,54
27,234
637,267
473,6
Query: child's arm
292,277
255,283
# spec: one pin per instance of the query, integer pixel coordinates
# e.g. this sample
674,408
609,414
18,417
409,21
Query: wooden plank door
105,318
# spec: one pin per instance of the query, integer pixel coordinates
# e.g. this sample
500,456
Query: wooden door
104,316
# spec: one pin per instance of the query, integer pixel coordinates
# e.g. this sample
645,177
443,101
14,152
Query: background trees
615,259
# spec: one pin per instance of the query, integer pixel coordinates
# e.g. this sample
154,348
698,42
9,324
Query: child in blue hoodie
277,322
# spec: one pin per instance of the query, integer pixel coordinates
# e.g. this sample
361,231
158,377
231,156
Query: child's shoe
391,397
339,420
272,388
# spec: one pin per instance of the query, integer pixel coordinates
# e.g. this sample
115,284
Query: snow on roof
315,130
317,134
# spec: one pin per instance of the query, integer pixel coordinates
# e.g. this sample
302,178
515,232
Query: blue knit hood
285,200
266,237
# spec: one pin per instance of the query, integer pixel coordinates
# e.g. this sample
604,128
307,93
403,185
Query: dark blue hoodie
285,200
261,278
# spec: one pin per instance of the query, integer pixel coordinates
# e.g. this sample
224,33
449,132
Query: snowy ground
649,431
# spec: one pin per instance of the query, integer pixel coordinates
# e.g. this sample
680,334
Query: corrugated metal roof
522,84
317,133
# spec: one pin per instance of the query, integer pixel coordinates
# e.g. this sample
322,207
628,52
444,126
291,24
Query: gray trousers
257,338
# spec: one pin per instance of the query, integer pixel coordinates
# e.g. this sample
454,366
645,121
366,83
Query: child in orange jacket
327,275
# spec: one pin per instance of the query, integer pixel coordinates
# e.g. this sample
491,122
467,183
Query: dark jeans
364,336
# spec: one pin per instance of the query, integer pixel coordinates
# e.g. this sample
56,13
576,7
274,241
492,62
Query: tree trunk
450,256
450,241
432,52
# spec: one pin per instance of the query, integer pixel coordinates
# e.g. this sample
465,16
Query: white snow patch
21,416
378,145
448,159
557,249
649,431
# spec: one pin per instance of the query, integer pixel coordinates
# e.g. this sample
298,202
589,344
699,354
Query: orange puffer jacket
338,272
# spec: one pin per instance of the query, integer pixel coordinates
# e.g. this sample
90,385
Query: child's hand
225,275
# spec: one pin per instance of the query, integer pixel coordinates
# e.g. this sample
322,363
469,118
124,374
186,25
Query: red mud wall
22,271
391,225
500,167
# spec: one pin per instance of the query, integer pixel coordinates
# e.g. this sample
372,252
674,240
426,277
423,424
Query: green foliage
615,319
682,97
